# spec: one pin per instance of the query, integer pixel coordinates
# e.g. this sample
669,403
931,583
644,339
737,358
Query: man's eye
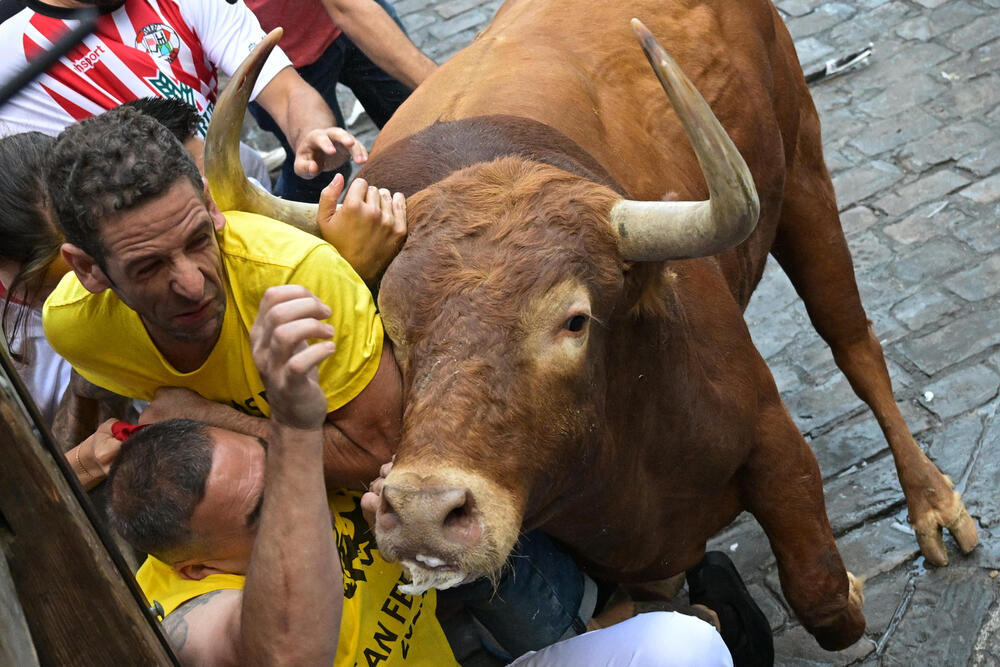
199,242
146,270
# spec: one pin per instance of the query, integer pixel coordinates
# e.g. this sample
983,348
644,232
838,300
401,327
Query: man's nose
188,280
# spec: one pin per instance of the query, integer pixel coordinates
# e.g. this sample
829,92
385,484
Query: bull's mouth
427,572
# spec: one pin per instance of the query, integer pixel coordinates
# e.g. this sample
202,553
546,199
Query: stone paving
913,144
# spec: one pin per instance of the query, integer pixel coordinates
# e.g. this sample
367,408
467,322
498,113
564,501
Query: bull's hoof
930,517
842,629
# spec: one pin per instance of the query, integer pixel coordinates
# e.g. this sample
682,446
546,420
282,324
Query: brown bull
567,365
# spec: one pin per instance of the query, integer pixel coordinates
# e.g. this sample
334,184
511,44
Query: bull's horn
651,231
230,188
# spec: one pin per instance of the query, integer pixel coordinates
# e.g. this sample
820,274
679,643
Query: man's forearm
378,36
306,111
293,593
346,463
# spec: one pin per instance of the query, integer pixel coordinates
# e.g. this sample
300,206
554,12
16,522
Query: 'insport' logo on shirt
88,59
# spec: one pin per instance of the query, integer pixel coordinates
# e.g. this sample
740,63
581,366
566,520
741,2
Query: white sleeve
228,33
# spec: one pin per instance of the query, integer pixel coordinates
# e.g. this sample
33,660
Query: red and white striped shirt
146,48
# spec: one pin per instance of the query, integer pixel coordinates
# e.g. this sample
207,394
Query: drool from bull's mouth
422,579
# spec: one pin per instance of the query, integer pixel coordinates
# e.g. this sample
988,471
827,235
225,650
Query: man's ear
218,220
195,571
86,269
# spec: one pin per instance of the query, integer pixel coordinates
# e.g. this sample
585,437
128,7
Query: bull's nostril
461,514
461,525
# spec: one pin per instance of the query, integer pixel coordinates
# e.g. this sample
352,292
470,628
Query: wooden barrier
76,601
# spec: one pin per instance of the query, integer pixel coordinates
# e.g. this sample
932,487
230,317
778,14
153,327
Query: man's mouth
196,314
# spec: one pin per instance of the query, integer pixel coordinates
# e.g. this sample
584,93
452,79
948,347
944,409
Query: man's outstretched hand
327,148
288,316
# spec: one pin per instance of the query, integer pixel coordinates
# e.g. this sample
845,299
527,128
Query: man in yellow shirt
165,288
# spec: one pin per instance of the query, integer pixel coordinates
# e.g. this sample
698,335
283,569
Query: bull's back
575,66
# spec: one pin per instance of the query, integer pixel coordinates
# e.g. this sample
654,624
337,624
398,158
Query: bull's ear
91,275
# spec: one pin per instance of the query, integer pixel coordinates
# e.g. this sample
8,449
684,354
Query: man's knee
671,638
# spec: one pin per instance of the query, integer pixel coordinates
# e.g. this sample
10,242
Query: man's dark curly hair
109,164
155,483
176,115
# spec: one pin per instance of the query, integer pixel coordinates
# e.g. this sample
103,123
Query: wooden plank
16,647
79,607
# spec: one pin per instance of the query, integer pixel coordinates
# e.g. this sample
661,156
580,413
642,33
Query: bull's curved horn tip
640,29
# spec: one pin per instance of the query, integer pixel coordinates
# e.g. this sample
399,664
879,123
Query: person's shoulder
71,294
70,309
162,584
257,240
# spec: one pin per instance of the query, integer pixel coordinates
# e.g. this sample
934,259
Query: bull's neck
430,155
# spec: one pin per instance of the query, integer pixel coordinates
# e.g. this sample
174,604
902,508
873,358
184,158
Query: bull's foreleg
810,247
782,487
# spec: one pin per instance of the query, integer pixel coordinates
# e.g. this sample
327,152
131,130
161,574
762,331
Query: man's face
224,523
163,261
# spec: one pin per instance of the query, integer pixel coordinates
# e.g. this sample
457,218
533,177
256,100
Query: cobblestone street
913,144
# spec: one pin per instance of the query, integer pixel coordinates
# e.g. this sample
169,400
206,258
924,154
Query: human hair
108,164
27,234
176,115
155,483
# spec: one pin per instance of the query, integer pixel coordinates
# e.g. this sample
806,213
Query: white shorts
662,638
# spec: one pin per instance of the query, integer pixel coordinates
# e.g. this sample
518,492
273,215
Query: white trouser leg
660,638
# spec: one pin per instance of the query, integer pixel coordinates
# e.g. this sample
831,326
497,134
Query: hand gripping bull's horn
651,231
230,188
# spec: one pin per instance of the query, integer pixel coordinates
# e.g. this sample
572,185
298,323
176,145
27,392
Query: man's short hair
178,116
155,483
109,164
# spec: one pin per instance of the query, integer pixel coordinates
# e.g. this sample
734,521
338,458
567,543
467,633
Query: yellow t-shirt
379,625
107,343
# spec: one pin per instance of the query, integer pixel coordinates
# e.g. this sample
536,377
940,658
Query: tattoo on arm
176,625
176,628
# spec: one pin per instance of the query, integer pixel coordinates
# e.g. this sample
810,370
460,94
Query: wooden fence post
79,601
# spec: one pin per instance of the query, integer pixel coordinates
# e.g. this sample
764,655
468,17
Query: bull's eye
575,323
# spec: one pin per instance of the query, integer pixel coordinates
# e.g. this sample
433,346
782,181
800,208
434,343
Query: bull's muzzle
429,522
446,525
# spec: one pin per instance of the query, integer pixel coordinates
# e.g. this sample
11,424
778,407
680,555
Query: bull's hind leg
783,489
811,248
